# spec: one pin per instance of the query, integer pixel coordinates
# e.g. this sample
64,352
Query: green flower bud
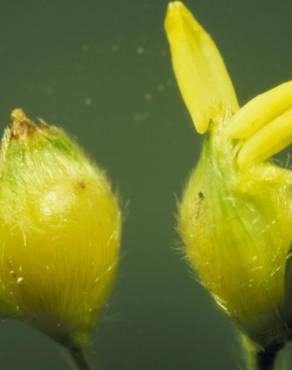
60,232
237,231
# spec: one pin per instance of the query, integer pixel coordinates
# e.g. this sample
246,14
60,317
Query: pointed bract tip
18,115
177,13
21,126
175,6
200,72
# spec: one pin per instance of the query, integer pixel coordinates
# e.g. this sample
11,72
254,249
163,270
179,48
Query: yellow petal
199,68
270,140
260,110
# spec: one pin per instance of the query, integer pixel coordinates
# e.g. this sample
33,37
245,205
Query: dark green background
101,70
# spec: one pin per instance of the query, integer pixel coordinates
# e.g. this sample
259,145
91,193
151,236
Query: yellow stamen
270,140
260,111
199,68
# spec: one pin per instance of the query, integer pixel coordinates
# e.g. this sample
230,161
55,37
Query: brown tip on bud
21,126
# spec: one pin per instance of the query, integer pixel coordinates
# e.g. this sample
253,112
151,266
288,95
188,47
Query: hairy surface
59,228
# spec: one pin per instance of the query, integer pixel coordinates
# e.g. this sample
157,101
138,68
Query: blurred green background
101,70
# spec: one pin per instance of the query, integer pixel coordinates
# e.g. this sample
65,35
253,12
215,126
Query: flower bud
60,231
235,216
237,231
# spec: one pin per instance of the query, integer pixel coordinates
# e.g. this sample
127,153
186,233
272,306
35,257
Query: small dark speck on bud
82,184
201,195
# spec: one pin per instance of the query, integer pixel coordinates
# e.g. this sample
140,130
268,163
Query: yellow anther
270,140
260,111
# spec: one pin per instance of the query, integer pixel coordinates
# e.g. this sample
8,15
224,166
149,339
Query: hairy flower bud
60,231
237,231
235,216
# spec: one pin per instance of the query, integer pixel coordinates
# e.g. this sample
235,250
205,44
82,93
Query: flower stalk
79,358
261,358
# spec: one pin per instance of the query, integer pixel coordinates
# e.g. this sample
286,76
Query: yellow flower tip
60,229
199,69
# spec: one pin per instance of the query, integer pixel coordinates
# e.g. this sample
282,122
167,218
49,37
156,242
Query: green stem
266,358
258,358
79,357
